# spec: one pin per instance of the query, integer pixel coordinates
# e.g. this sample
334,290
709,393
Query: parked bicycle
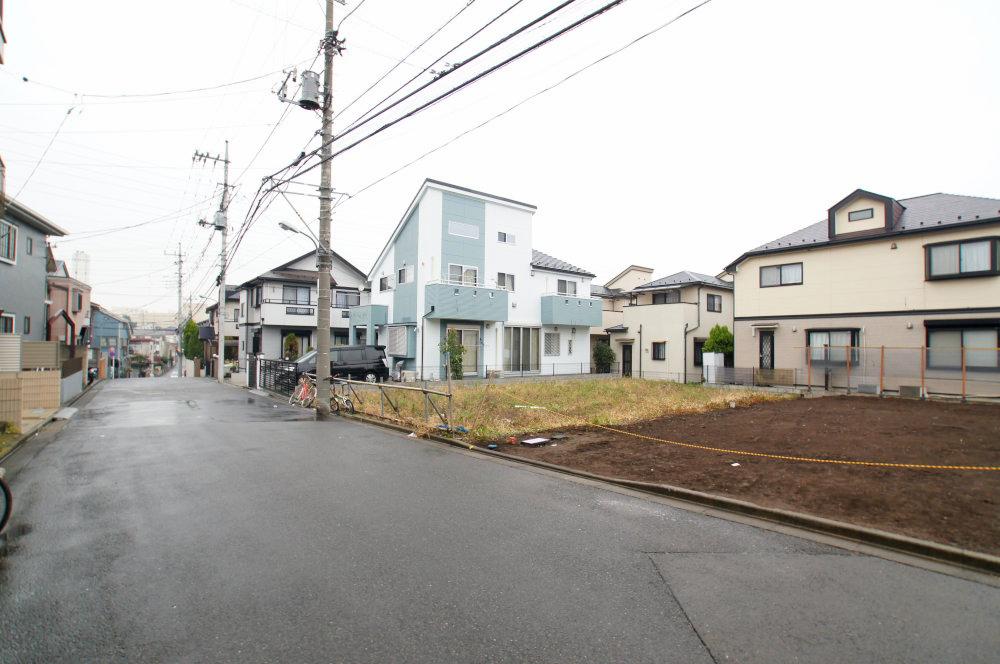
6,501
304,393
340,402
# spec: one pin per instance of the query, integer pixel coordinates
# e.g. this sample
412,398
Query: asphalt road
179,520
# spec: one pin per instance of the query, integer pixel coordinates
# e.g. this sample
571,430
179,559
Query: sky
734,125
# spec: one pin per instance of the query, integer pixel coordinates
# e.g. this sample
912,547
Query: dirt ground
961,508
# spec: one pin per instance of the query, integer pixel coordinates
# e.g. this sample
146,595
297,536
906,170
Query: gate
278,376
252,372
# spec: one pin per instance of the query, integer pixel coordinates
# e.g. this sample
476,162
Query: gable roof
543,261
285,273
23,213
429,182
638,268
920,214
685,278
603,291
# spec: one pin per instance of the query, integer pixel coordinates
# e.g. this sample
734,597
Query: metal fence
276,376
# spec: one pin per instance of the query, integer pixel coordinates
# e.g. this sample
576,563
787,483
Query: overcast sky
737,124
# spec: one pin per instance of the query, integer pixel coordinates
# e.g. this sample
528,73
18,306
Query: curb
20,441
940,553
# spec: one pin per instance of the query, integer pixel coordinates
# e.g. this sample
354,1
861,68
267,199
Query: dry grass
495,411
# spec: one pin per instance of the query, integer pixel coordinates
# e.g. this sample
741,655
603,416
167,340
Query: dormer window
861,215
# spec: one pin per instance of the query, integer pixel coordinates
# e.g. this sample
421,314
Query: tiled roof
920,213
685,278
545,262
604,291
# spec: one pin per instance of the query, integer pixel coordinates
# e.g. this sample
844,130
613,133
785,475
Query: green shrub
604,357
720,340
455,350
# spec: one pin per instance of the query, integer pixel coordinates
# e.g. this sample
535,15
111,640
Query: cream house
614,295
666,323
906,274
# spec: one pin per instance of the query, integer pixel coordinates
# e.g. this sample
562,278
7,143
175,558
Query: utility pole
324,258
179,262
220,224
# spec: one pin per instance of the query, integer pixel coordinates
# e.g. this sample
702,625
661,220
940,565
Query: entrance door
627,360
469,338
766,349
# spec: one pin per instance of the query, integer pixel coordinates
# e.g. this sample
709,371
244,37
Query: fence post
963,373
426,413
381,402
848,369
881,372
923,360
809,369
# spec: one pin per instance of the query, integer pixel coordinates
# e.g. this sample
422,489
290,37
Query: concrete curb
20,441
940,553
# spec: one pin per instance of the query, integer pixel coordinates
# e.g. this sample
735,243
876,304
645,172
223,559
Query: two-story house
906,274
283,301
24,268
462,260
226,328
666,323
111,335
68,317
614,295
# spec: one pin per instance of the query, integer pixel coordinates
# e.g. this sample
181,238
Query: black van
353,362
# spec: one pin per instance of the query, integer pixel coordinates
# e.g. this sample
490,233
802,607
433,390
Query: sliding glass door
520,349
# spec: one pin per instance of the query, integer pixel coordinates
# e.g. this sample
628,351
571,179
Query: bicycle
304,393
8,501
340,401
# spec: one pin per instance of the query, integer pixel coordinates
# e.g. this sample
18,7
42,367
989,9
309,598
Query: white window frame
859,215
708,303
562,287
455,227
545,344
384,284
462,281
505,238
13,323
507,283
12,229
404,275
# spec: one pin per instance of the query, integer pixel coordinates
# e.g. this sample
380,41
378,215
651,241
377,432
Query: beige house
666,323
918,276
614,295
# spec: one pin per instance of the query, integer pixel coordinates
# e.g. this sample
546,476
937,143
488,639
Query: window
8,242
789,274
861,215
7,323
345,299
295,294
384,284
569,346
26,328
566,287
467,275
29,247
944,348
552,344
77,302
667,297
659,350
961,259
243,310
404,275
462,229
830,346
505,281
520,349
699,352
257,292
396,344
506,238
715,303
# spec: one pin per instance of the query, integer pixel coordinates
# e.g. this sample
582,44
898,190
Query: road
181,520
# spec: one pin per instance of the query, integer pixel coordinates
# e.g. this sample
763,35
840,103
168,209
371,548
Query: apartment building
666,322
462,260
282,301
911,273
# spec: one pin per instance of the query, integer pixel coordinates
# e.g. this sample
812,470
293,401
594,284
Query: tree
291,346
192,345
720,340
455,350
604,357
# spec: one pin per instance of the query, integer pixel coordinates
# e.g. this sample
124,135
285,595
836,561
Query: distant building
110,338
68,317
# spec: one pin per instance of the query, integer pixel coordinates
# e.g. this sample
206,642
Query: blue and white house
463,260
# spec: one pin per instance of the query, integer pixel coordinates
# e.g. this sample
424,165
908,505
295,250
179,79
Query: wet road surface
180,520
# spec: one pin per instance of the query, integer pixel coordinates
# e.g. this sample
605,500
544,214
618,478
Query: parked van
353,362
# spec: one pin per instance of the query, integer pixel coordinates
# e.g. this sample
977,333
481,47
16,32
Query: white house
463,260
282,301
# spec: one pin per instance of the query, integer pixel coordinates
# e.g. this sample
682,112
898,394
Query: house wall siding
463,250
24,286
404,296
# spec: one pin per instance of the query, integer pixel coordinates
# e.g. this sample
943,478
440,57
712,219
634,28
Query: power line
601,10
44,152
356,8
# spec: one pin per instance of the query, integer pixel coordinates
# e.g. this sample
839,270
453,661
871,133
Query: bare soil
960,508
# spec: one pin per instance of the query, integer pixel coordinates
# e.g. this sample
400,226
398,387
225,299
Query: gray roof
604,291
685,278
545,262
921,213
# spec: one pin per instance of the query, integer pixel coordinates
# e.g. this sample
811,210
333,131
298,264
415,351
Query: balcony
298,314
369,314
465,301
569,310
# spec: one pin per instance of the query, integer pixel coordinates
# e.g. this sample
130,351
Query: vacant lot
495,411
961,508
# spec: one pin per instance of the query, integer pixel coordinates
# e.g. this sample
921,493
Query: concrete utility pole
324,259
220,224
180,302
